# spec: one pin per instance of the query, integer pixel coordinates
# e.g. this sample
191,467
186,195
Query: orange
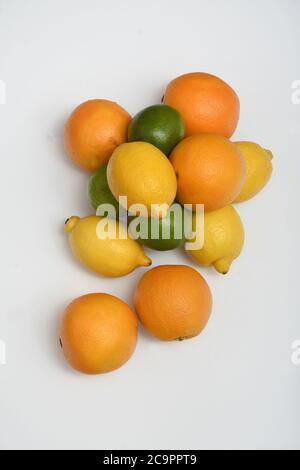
210,170
98,333
205,102
173,302
93,131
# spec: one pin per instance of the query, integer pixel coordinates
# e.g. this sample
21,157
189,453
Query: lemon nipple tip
70,223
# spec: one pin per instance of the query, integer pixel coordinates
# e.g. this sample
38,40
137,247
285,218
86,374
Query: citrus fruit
223,239
99,192
159,125
144,174
173,302
205,102
163,234
104,246
98,333
258,169
92,132
210,170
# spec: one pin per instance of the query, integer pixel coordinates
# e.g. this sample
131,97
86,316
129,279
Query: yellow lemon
223,239
144,174
258,169
104,246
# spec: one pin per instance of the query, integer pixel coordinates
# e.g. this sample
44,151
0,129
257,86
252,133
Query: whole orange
173,302
93,131
98,333
210,170
206,103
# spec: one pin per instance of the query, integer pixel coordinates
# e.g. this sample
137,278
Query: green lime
99,192
163,234
159,125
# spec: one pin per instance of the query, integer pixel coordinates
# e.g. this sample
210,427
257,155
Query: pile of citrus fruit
153,178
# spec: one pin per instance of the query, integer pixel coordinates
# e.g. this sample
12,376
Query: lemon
223,239
104,246
258,166
144,174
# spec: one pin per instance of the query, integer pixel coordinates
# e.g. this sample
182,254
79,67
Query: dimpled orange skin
93,131
210,170
206,103
173,302
98,333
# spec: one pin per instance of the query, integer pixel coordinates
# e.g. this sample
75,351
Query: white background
234,386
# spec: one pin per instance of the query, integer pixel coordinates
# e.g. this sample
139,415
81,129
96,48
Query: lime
163,234
99,192
159,125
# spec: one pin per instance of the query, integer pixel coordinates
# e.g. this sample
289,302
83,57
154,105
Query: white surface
234,386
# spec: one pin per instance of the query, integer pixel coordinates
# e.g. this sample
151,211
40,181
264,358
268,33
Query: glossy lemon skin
258,169
112,256
144,174
223,239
